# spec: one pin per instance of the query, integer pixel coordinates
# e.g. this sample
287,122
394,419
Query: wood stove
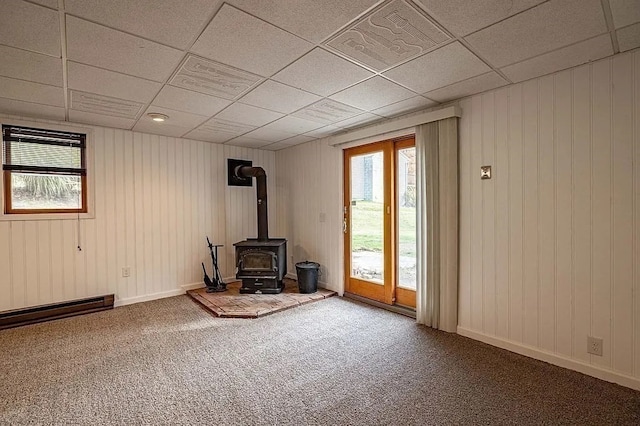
261,263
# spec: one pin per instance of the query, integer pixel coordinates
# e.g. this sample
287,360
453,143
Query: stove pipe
261,195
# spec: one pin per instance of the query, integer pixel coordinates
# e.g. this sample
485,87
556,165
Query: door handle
344,226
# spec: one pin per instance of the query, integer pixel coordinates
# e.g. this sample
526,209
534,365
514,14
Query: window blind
40,151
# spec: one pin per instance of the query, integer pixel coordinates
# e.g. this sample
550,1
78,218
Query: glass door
379,219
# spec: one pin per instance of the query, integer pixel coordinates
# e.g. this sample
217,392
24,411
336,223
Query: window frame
6,210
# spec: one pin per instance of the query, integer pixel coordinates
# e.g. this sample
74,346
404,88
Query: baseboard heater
18,317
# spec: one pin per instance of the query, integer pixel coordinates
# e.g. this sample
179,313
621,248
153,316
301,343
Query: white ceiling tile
219,131
29,26
468,87
328,111
629,37
100,119
27,91
625,12
207,136
278,97
293,124
214,78
463,17
49,3
324,131
358,120
248,142
287,143
176,118
172,22
293,15
103,47
14,107
567,57
109,83
236,38
541,29
106,105
296,140
247,114
388,35
439,68
163,129
266,133
406,106
30,66
373,93
188,101
225,127
322,73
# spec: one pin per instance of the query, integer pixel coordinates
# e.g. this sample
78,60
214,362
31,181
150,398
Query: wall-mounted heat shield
232,178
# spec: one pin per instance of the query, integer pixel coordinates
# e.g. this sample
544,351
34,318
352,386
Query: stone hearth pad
232,304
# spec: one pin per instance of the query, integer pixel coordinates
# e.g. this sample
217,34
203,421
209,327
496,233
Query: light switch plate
485,172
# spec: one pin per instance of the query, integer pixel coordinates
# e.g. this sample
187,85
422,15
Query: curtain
437,224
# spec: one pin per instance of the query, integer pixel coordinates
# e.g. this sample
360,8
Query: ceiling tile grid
103,47
283,72
322,73
30,27
30,66
444,66
86,78
373,93
541,29
238,39
279,97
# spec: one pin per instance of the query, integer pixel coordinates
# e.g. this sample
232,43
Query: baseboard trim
148,297
192,286
551,358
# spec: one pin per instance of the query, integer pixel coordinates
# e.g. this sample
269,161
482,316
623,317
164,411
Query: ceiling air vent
327,111
104,105
388,36
213,78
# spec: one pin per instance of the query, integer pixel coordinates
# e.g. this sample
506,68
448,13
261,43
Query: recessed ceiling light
155,116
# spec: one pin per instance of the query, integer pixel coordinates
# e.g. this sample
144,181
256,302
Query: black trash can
307,276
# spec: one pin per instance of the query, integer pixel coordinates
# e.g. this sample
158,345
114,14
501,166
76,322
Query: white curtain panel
437,227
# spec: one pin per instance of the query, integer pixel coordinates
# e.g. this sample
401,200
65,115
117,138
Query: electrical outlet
126,272
594,345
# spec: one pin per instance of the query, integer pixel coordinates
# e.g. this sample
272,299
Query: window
44,171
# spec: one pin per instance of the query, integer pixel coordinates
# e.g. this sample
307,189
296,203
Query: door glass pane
406,218
367,217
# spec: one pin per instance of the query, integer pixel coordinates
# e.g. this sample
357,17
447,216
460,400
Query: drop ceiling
272,74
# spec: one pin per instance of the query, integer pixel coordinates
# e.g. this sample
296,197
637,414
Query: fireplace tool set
217,284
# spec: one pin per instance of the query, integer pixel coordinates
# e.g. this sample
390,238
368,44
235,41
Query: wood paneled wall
156,198
550,247
309,179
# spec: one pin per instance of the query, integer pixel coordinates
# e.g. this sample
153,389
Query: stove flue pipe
261,195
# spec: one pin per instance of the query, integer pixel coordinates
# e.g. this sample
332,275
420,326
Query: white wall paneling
550,246
309,178
156,198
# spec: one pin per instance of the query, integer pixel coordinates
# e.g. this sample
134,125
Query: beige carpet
335,362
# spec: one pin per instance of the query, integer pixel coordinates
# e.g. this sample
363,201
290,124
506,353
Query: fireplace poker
218,284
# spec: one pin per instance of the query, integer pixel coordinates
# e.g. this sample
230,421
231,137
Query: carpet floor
334,362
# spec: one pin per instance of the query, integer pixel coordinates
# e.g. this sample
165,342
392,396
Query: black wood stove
261,262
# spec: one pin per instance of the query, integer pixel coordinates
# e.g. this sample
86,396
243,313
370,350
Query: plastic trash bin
307,276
